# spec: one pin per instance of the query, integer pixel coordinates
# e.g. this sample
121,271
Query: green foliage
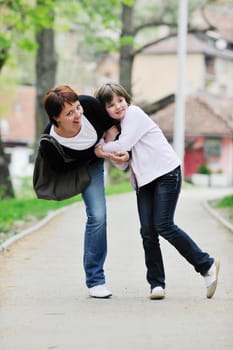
127,40
20,18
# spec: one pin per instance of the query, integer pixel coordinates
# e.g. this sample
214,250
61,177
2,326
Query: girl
156,176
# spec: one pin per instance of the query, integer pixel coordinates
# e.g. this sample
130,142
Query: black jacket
98,117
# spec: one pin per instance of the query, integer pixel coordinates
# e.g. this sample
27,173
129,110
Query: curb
50,216
225,223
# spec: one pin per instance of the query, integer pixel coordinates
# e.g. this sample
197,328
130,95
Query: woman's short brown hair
55,99
105,93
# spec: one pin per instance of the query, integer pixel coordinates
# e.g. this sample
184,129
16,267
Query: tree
160,15
46,64
20,21
129,27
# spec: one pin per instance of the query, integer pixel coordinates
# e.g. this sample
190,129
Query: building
208,134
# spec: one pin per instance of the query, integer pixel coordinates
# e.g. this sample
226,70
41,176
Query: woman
156,176
78,123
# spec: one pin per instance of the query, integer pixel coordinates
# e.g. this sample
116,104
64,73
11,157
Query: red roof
204,115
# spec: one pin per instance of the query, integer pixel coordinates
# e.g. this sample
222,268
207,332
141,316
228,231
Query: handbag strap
57,145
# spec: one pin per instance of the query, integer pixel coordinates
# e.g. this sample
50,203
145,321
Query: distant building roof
204,115
194,45
222,18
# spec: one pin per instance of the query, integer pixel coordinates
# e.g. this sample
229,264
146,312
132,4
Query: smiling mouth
120,111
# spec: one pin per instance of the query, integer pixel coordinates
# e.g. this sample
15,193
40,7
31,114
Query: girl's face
69,120
117,107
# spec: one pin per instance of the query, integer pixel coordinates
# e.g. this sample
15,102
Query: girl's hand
111,134
120,157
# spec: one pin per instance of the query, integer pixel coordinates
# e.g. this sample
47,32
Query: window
210,66
212,148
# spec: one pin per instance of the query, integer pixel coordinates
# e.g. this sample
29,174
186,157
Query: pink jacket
152,155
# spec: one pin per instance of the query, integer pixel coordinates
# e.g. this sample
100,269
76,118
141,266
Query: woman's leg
166,194
150,238
95,240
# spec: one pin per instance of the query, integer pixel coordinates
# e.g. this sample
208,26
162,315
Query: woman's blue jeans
95,239
156,206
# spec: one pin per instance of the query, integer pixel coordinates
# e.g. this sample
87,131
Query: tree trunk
126,51
6,188
46,66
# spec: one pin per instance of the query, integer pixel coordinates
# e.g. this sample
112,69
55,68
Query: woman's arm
119,158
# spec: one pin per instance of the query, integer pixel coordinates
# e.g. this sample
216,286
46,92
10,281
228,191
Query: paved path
44,303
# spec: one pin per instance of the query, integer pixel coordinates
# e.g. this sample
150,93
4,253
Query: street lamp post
179,124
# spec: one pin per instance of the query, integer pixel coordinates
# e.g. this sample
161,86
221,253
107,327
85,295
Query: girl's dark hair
105,93
55,99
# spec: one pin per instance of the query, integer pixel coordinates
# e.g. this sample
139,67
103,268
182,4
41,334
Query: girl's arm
134,125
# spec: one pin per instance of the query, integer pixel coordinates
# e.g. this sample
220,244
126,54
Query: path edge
8,242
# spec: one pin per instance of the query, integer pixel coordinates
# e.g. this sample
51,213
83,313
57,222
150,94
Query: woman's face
69,120
117,107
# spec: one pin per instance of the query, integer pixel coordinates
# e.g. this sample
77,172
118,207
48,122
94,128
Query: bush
118,176
203,169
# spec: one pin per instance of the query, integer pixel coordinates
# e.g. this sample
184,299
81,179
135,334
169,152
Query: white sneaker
211,279
157,293
99,291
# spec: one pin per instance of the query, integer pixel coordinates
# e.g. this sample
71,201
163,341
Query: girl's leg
150,239
166,194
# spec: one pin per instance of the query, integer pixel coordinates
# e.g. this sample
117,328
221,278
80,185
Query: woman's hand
100,153
120,157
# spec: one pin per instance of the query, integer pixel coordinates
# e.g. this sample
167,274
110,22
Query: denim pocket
172,180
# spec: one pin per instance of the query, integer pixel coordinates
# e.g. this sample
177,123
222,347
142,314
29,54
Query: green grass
225,202
224,207
13,210
26,209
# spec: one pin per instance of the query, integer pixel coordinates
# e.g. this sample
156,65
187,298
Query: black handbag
58,185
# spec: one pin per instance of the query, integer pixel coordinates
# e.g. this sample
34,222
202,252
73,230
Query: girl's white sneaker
157,293
211,279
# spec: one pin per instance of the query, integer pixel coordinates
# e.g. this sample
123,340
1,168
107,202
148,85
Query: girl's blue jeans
95,239
156,206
